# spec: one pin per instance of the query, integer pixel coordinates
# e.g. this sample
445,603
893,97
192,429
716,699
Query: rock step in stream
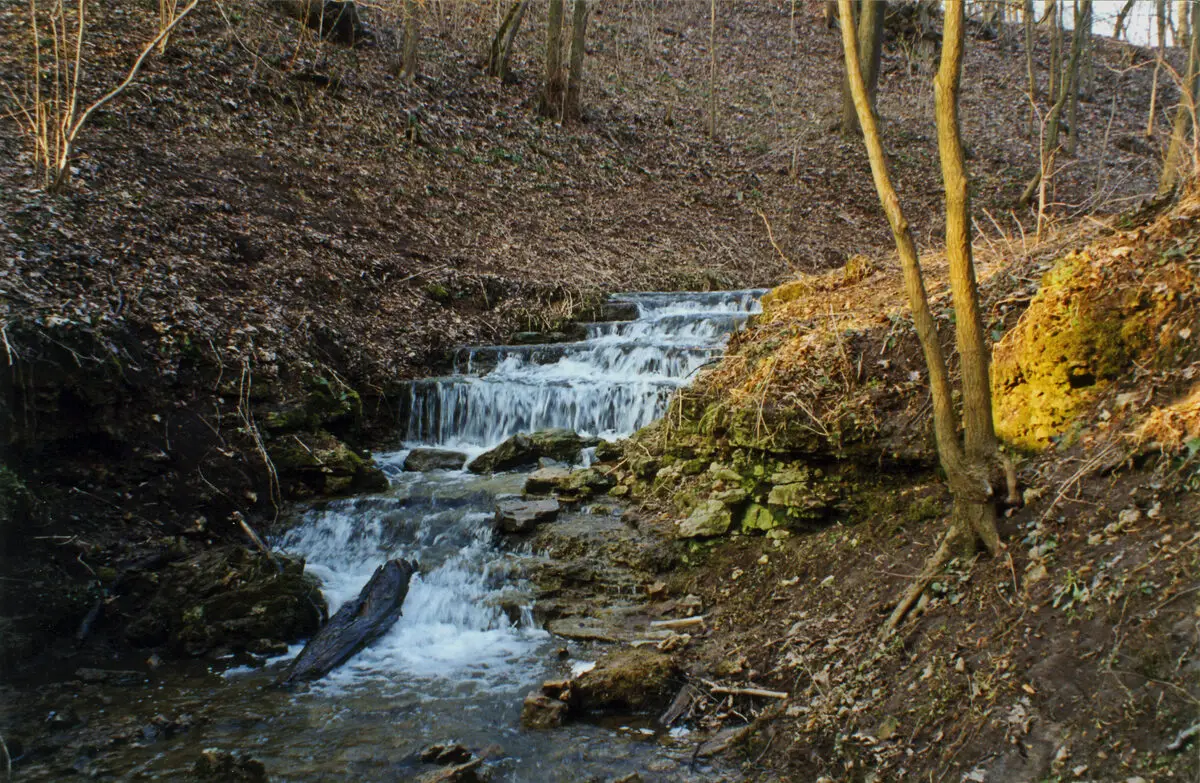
495,571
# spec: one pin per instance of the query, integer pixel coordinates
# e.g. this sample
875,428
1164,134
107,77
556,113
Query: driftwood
356,624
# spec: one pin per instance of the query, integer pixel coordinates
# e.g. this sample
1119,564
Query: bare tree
1122,15
1160,14
968,462
412,33
870,46
579,17
50,113
552,89
1185,114
1050,146
711,119
502,44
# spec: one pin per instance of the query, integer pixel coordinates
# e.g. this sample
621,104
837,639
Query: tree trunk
1185,115
578,42
711,119
1122,15
978,514
966,472
412,31
1054,121
358,623
502,44
552,91
1028,20
1160,10
1183,30
871,15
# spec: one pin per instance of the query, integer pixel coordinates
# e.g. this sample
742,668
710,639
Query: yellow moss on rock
1088,323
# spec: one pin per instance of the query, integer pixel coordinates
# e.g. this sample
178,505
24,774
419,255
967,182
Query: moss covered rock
226,598
627,679
710,518
320,464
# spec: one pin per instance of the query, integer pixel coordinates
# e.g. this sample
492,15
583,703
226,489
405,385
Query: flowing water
457,664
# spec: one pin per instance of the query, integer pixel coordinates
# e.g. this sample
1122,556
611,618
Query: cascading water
466,639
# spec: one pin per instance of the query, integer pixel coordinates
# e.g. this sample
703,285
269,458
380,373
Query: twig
771,237
258,542
685,622
750,692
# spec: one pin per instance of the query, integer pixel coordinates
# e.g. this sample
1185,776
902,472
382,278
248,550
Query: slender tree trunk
1055,49
1028,20
578,42
1185,114
552,91
871,15
1080,41
412,32
711,120
967,479
973,352
1183,29
1160,11
1122,15
1054,121
502,43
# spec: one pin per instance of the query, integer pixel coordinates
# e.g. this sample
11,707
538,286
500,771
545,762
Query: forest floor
262,211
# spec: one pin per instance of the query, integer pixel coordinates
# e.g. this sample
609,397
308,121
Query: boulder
320,464
542,712
421,460
626,679
523,450
609,451
562,445
522,516
710,518
223,598
587,482
545,480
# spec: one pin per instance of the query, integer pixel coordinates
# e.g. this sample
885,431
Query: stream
458,663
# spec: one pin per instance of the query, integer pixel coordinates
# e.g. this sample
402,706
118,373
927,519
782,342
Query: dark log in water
356,624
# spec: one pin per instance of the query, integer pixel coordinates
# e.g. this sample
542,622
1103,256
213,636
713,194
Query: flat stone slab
522,516
420,460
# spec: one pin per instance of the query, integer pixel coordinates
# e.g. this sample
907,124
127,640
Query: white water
454,636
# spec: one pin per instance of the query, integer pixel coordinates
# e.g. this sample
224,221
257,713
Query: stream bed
458,663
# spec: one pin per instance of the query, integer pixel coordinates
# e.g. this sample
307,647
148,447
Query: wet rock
546,480
462,773
443,754
421,460
609,311
523,450
320,464
710,518
267,647
568,333
609,451
225,597
632,679
542,712
110,676
522,516
585,483
588,629
222,765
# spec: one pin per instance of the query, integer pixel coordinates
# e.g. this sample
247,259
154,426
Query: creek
457,664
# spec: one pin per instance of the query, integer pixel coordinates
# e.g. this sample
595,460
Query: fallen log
358,623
